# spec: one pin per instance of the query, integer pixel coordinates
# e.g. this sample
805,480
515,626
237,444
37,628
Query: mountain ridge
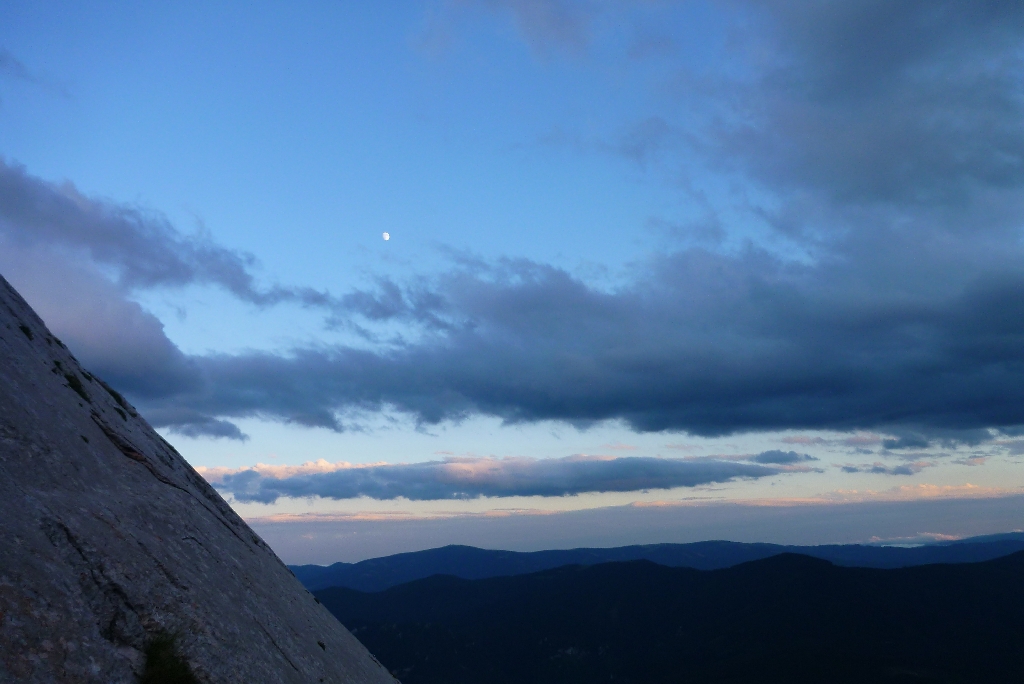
470,562
786,618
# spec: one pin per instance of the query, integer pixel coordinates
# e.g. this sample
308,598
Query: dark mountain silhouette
788,618
118,562
469,562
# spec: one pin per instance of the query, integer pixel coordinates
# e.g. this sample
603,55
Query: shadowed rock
112,546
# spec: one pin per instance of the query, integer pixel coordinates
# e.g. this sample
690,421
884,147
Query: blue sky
730,251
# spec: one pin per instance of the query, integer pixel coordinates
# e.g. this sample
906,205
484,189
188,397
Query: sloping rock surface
109,540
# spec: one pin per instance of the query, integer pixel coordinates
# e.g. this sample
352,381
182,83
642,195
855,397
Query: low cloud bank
471,478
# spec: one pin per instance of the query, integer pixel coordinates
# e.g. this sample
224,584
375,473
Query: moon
386,236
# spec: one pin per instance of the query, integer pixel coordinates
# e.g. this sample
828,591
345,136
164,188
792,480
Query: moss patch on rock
164,665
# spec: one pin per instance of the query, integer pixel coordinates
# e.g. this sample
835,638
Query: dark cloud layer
782,457
703,343
481,477
889,139
915,102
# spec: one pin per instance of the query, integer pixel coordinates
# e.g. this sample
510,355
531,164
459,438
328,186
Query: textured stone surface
109,538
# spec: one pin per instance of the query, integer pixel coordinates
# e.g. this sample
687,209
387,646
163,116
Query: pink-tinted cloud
470,478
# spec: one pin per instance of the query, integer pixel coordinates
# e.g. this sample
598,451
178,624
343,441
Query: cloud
216,474
919,538
60,247
908,439
955,511
777,457
470,478
906,442
880,142
868,100
702,342
550,24
641,142
118,339
804,440
861,440
883,469
12,66
142,247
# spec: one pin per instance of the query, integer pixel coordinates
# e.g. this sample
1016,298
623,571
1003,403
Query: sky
657,271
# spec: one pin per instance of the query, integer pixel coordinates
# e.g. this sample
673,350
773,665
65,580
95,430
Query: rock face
110,542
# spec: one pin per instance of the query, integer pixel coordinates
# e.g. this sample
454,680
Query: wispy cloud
13,67
141,246
1014,447
549,24
786,461
916,492
879,468
804,440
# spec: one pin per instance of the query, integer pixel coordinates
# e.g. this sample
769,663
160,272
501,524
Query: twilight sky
706,260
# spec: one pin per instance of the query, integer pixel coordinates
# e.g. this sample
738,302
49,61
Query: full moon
386,236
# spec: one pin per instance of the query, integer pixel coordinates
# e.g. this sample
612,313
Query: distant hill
788,618
469,562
